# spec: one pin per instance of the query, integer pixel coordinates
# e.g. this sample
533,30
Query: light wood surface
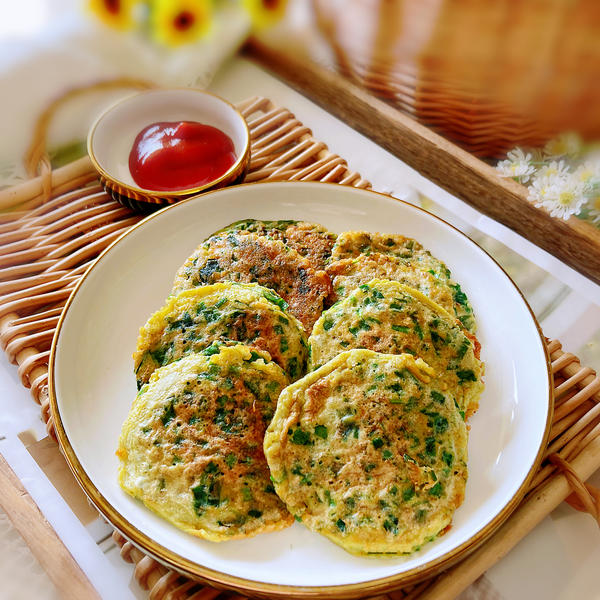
45,545
575,242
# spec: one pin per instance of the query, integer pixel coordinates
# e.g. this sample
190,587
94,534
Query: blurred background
488,75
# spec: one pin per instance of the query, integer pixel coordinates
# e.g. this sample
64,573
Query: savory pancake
352,243
349,273
392,318
250,258
191,448
243,312
309,239
409,252
368,451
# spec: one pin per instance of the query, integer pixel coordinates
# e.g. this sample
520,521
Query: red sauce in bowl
171,156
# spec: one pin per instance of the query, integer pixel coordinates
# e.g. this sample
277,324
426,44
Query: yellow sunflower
177,22
115,13
265,12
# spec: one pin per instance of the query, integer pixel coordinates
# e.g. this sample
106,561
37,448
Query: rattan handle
36,158
585,497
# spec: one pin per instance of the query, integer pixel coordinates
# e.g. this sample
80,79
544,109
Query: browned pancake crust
250,258
191,447
352,243
311,240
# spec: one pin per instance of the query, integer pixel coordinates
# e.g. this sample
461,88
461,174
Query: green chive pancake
309,239
250,258
392,256
191,448
392,318
244,312
368,451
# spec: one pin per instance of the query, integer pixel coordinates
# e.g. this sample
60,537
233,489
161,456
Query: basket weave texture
46,245
489,75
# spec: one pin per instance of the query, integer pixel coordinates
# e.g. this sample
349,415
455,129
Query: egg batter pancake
392,318
352,243
310,239
348,273
369,452
243,312
191,448
251,258
408,251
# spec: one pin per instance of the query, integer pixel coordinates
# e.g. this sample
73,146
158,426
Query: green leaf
436,490
408,493
437,397
466,375
169,413
401,328
274,299
301,437
321,431
327,324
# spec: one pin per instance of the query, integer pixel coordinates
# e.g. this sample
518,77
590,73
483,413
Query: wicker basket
489,75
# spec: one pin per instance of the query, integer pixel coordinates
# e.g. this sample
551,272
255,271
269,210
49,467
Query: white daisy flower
589,175
560,196
594,210
517,165
553,168
566,144
544,186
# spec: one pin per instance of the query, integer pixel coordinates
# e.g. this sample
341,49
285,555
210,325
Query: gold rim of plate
270,590
161,197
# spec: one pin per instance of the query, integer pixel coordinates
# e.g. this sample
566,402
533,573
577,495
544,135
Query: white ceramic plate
92,387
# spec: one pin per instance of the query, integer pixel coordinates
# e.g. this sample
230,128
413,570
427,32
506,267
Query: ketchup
170,156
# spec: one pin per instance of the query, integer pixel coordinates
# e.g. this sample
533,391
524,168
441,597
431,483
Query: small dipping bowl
113,134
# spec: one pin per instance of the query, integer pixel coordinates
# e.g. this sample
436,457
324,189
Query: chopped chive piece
460,412
169,413
466,375
390,525
447,457
438,397
401,328
276,300
430,448
408,493
301,437
436,490
321,431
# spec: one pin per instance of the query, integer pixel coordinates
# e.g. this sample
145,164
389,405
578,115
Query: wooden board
45,545
575,242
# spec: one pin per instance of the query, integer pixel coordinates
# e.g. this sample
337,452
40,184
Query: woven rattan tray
54,229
